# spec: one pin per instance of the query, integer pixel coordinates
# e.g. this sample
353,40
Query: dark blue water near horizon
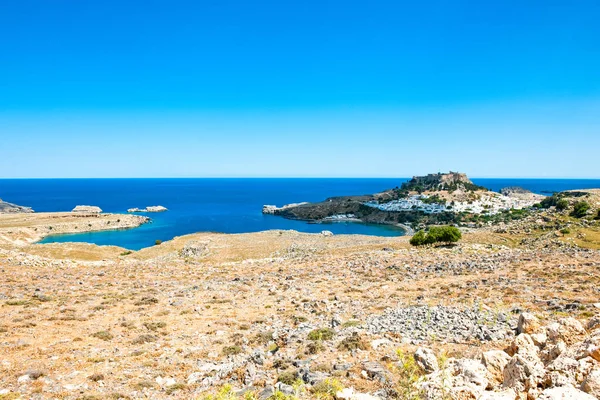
229,205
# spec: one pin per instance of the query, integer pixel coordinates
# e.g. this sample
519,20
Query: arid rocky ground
280,313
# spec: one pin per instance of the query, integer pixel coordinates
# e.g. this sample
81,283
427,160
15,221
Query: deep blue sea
217,205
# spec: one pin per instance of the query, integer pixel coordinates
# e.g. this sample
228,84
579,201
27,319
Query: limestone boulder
528,323
495,361
426,359
591,383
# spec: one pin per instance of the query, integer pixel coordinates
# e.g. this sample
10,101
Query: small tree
562,204
418,239
437,234
580,209
598,216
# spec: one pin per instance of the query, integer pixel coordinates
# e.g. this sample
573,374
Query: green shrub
288,377
437,234
580,209
315,347
562,205
598,216
326,389
353,342
549,201
418,239
231,350
321,334
157,242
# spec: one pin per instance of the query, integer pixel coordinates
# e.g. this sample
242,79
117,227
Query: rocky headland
426,200
9,208
24,229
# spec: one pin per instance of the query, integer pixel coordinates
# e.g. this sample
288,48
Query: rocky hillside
281,315
422,201
13,208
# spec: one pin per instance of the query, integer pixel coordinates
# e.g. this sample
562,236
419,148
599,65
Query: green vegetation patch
321,334
580,209
436,234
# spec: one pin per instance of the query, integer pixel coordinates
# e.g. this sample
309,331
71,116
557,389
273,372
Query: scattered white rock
507,394
565,393
379,342
350,394
426,359
165,382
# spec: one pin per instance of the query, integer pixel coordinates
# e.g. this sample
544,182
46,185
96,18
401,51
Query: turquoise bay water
217,205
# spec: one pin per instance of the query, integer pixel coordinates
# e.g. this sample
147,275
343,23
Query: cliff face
9,208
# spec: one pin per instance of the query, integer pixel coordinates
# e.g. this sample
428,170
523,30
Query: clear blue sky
299,88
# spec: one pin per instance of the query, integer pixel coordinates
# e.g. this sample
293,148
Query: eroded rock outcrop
558,361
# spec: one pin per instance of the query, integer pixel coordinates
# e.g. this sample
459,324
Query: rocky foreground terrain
511,312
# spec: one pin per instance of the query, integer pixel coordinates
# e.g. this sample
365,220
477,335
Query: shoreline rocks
274,210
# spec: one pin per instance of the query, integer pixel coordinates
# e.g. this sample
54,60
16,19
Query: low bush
231,350
321,334
580,209
562,205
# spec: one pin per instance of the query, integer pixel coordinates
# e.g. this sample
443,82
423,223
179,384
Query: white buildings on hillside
492,203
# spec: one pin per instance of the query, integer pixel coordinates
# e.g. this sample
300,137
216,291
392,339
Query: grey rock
266,393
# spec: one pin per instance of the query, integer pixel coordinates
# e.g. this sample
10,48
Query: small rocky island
147,209
424,200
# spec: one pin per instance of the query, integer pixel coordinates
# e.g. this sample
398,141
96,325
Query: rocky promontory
423,200
7,208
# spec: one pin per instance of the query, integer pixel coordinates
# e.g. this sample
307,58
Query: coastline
22,229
